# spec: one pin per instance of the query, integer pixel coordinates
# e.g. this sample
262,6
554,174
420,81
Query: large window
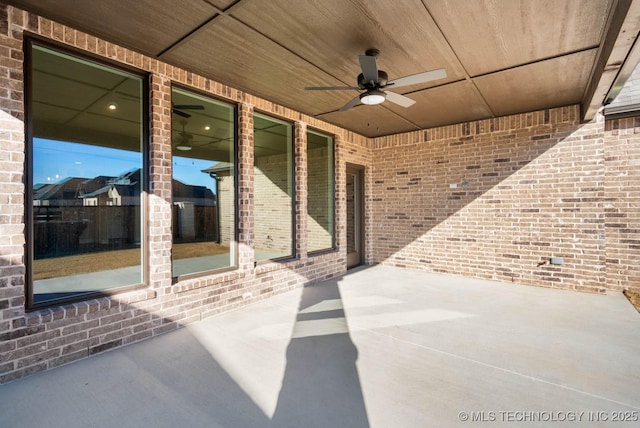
85,176
320,184
203,184
273,184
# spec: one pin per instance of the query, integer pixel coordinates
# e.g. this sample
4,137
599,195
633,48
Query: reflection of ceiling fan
184,143
373,82
177,109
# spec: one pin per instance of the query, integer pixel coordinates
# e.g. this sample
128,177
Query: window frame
31,40
294,158
333,247
236,206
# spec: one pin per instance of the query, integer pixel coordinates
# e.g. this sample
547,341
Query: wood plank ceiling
501,56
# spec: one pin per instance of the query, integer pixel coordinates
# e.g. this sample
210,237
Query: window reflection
203,184
87,180
320,205
273,189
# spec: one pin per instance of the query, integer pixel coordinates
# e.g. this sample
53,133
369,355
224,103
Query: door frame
357,257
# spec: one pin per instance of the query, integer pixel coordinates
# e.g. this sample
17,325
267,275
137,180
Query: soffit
455,103
495,35
235,55
556,82
147,26
501,56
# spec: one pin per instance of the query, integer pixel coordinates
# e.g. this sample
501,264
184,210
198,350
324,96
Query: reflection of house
91,213
98,191
108,195
198,195
123,190
104,211
62,193
222,172
219,169
195,214
115,191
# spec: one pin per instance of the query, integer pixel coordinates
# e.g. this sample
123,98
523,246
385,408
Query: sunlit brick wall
12,233
622,202
318,229
496,199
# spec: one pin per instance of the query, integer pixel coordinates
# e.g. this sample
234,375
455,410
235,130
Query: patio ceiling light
373,97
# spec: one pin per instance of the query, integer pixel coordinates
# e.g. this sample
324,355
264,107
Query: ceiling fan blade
351,103
189,106
425,76
401,100
369,68
330,88
180,113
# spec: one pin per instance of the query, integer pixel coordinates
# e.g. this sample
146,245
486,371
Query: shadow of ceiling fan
374,81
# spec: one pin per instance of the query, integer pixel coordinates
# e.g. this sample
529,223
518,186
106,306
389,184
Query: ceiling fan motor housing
382,81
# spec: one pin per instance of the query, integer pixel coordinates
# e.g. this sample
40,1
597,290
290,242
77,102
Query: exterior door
355,216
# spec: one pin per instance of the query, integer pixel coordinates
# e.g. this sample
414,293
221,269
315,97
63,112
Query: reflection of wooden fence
72,230
62,231
194,223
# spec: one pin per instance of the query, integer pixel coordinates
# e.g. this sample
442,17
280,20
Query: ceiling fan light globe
372,98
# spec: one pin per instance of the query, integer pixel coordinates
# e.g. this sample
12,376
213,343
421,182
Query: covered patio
455,254
379,347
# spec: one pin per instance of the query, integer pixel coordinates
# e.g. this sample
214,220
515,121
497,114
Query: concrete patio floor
379,347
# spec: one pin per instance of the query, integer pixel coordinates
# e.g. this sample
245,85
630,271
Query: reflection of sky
189,171
56,160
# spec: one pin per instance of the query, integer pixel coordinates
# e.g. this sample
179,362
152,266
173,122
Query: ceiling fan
373,82
177,109
184,143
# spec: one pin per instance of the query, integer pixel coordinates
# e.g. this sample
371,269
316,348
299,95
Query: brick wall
41,339
498,198
622,202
